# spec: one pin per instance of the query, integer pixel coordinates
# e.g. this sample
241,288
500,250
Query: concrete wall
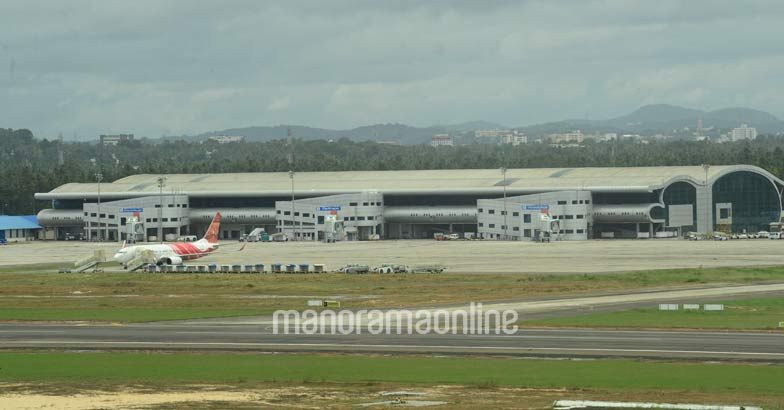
110,222
520,217
362,215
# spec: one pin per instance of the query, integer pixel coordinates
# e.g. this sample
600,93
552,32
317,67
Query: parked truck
254,235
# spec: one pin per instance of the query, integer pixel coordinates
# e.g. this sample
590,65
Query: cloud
155,68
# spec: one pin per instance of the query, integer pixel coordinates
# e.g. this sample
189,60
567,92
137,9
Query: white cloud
175,67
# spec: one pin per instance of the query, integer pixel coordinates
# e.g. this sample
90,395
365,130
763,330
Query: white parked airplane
176,252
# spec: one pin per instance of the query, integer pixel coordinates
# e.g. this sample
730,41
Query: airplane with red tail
176,252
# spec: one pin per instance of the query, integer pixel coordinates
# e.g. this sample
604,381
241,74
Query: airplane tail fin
212,232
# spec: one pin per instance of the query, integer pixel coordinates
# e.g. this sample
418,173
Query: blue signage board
329,208
536,207
131,210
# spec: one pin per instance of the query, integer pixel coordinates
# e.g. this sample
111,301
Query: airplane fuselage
171,251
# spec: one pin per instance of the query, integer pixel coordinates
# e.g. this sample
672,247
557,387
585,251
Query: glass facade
681,193
754,198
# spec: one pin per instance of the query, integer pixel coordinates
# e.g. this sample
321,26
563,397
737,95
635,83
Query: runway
526,342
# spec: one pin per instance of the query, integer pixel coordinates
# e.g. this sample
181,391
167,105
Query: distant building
116,139
515,139
744,132
442,140
569,137
510,137
226,139
491,133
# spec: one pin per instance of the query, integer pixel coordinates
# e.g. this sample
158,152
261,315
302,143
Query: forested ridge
30,165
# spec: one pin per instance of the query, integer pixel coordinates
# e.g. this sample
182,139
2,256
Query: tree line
29,165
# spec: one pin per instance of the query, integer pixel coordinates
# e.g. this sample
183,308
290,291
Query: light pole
293,221
161,183
506,226
708,203
99,178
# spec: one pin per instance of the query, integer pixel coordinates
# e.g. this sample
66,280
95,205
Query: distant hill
663,118
401,133
649,119
474,126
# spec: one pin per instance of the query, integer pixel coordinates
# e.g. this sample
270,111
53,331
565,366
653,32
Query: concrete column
704,209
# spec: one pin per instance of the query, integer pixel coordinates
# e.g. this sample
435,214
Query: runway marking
82,343
31,331
598,337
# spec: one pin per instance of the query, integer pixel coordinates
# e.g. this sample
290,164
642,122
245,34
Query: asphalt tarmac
525,342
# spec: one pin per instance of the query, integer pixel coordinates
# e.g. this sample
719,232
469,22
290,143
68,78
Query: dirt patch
327,395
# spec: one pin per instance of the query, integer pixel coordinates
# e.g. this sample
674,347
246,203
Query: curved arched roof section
716,172
405,182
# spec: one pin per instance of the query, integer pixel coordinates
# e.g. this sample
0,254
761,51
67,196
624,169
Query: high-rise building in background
744,132
442,140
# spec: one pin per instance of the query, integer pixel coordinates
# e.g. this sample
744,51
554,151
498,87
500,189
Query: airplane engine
170,260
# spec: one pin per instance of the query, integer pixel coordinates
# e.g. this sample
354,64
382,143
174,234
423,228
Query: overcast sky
176,67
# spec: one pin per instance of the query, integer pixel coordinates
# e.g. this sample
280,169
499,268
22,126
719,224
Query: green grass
160,368
28,294
762,313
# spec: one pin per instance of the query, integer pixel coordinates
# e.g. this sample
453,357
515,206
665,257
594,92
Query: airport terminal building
568,203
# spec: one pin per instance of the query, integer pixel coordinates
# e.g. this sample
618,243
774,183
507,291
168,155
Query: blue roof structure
19,222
